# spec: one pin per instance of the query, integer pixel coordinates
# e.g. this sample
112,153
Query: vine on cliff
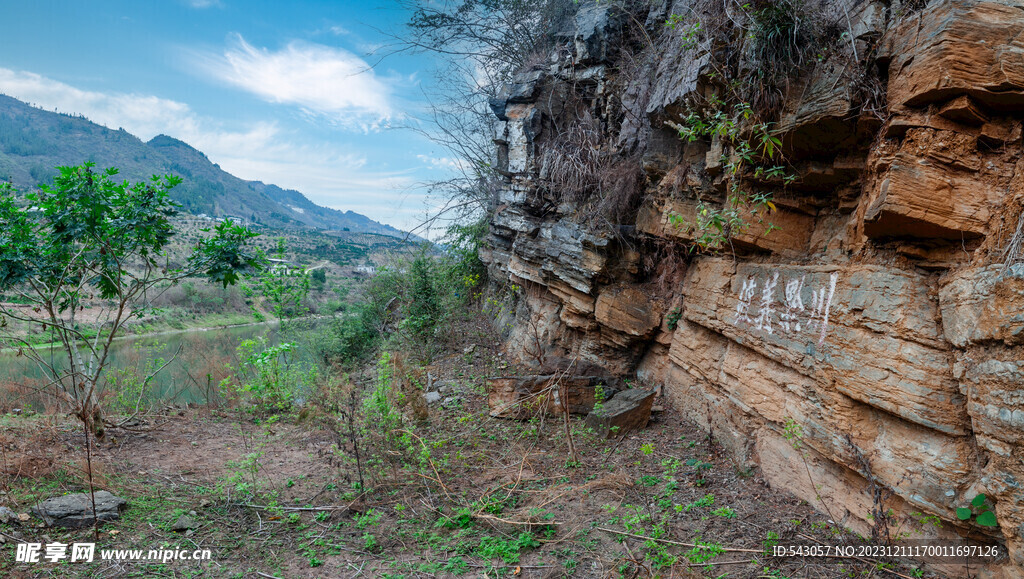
756,154
780,37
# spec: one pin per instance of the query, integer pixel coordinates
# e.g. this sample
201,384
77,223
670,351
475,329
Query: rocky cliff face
882,318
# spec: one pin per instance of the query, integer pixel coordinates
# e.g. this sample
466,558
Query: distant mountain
33,142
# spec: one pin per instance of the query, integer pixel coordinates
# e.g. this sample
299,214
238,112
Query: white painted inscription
790,317
764,318
746,294
792,313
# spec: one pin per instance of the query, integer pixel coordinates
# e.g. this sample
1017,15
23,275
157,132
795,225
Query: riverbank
469,495
162,328
192,363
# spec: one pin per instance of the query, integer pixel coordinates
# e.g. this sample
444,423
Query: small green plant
725,512
705,501
244,472
673,317
691,34
704,552
794,433
570,565
506,549
698,465
754,153
461,519
771,539
927,520
367,519
268,378
648,481
980,510
456,566
599,398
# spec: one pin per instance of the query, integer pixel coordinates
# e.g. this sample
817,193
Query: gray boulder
629,410
75,511
8,516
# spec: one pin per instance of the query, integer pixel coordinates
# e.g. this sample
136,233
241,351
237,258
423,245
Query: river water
196,362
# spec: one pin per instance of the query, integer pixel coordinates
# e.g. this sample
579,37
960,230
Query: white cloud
256,151
201,4
448,163
145,116
329,83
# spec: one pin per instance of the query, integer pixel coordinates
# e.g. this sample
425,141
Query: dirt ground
463,495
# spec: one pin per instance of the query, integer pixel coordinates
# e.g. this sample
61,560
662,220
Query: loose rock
184,523
75,511
630,410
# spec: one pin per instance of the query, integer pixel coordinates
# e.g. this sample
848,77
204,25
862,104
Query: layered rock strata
880,322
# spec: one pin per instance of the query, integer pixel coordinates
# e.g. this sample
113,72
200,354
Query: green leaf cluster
980,510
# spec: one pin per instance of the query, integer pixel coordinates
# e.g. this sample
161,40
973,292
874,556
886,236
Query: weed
267,378
506,549
725,512
981,510
462,519
368,519
672,320
771,539
456,566
705,501
704,552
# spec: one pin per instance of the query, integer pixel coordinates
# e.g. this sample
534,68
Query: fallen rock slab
75,511
630,410
522,397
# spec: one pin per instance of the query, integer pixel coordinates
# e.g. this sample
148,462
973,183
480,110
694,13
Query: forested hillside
33,141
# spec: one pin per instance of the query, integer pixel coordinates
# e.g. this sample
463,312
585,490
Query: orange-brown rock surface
881,317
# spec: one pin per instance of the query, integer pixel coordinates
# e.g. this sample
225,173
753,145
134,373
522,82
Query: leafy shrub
267,378
409,304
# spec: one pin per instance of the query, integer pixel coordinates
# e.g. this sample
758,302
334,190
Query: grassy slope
487,498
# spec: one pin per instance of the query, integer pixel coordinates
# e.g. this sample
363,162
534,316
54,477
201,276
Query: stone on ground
75,511
523,397
629,410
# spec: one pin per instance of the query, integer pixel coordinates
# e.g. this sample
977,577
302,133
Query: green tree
284,289
319,278
88,240
424,310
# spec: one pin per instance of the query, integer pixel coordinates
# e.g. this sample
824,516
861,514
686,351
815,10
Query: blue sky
293,93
